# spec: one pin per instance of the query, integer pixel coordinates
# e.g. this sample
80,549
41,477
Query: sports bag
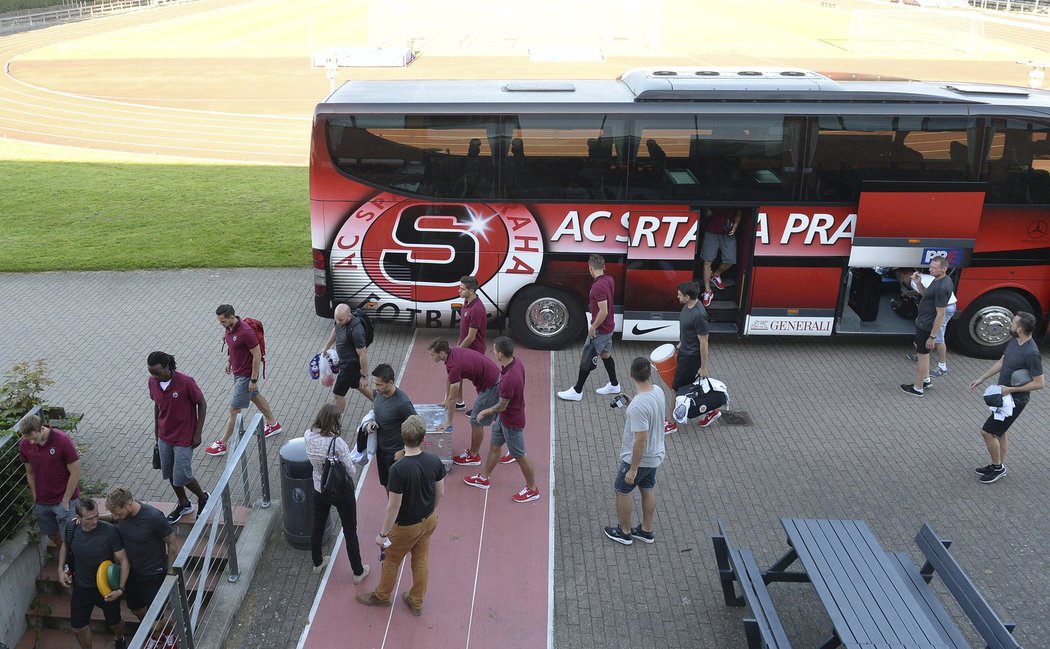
366,324
699,398
336,482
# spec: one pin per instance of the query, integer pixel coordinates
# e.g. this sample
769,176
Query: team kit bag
699,398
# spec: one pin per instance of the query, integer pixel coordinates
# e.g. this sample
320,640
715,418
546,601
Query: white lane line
477,568
550,519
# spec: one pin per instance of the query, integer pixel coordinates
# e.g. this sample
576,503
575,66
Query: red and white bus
414,184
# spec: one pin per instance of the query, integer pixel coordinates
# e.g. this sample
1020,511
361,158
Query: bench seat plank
757,596
933,607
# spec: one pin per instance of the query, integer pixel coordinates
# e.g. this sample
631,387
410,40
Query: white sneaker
608,388
570,395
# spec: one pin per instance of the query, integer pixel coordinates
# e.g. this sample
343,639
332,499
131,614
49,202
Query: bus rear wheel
984,329
545,318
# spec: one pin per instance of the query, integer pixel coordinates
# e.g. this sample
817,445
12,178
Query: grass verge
60,215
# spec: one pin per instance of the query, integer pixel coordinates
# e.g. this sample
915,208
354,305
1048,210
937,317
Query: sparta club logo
417,251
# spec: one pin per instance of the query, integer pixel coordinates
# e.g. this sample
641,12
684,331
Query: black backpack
366,325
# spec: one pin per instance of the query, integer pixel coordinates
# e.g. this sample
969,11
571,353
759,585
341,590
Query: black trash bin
297,495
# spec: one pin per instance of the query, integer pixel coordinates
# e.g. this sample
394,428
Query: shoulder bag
336,483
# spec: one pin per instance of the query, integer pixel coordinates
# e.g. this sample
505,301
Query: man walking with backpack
245,344
351,343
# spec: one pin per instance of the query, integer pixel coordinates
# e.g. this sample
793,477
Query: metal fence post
231,536
246,484
181,611
264,472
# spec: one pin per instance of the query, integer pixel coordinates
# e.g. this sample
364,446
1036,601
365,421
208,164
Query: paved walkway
832,436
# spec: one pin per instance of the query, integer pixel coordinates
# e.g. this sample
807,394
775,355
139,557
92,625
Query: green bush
15,5
22,390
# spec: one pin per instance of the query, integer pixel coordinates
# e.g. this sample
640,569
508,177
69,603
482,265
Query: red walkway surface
490,558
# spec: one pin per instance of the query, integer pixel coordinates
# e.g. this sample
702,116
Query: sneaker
370,599
913,357
202,503
707,297
927,382
908,388
120,643
364,573
466,459
937,372
609,388
324,562
479,481
614,533
171,641
461,405
984,470
709,418
643,536
570,395
275,429
717,281
179,512
526,495
217,448
670,426
507,459
415,611
994,474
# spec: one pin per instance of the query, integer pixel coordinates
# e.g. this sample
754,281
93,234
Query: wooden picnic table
870,603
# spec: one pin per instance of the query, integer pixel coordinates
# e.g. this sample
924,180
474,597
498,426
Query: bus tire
545,318
984,328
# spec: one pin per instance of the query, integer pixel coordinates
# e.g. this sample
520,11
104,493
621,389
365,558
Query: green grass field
14,5
60,215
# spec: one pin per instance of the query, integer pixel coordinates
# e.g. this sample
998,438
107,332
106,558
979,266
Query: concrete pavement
831,436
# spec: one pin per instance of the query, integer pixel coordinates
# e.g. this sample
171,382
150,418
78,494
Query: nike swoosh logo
641,332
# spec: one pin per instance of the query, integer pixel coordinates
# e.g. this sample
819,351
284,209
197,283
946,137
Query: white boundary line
339,539
550,534
477,568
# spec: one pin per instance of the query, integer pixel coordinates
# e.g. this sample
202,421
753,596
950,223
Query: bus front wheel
545,318
984,328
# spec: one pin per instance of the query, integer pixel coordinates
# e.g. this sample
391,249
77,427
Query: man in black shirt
93,541
417,483
1021,353
391,407
348,334
149,542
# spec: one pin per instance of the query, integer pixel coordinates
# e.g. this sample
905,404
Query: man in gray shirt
692,348
641,452
348,334
391,407
932,308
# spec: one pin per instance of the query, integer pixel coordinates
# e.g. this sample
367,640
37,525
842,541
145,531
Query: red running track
490,558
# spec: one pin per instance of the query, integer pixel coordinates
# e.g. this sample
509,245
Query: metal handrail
174,594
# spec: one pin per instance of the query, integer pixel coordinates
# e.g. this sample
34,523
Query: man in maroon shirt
53,473
461,363
244,362
179,410
509,426
472,320
719,236
599,334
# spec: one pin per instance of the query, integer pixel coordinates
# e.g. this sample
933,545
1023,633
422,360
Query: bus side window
1021,174
571,157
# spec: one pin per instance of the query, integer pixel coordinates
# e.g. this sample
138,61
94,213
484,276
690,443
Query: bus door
661,252
799,256
904,225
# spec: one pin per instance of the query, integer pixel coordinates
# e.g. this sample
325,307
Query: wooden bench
995,632
764,629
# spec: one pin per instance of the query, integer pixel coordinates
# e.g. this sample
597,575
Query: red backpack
260,333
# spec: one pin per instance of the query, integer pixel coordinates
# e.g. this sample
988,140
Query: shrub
22,390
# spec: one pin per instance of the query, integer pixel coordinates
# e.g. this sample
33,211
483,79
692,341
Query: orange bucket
665,359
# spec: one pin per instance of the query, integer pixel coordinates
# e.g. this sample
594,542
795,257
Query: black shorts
384,461
685,371
921,336
142,589
998,428
84,602
348,378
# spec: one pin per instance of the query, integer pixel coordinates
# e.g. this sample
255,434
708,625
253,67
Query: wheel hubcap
991,326
547,317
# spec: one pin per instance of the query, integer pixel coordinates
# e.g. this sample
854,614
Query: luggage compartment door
910,223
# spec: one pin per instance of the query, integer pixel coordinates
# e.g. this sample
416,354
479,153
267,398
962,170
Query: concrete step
56,639
52,612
